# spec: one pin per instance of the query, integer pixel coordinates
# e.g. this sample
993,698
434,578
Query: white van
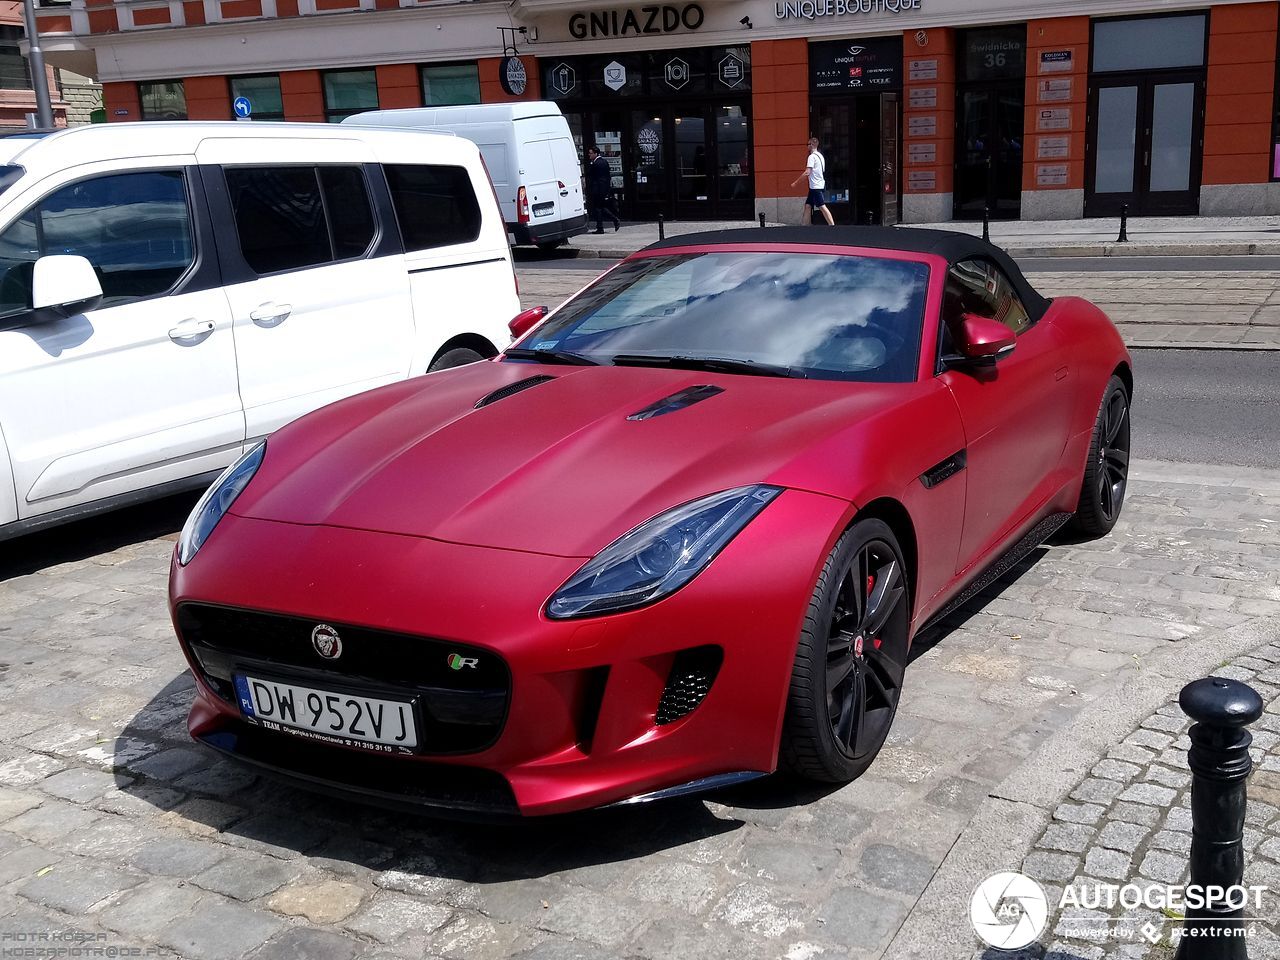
529,153
170,292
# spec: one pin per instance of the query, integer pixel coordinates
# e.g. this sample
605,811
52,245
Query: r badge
326,641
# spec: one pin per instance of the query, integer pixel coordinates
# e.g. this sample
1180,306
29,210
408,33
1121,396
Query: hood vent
511,389
677,401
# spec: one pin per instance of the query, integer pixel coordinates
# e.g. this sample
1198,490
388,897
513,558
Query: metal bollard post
762,219
662,232
1124,224
986,224
1219,760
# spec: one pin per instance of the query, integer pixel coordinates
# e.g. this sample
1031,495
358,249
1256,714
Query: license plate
348,719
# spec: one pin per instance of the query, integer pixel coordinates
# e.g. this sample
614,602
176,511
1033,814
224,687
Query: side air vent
692,673
677,401
511,389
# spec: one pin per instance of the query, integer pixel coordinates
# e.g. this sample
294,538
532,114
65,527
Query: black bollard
1124,224
762,219
1220,763
662,232
986,224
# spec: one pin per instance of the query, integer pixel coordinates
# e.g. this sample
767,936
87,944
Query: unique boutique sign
634,22
873,64
813,9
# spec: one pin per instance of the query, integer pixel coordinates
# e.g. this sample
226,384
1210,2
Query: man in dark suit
600,189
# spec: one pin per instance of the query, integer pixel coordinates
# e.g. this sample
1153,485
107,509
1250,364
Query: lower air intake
692,673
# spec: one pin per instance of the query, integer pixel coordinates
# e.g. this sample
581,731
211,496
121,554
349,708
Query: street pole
39,80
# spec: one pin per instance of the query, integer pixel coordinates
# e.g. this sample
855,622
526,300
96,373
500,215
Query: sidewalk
1148,236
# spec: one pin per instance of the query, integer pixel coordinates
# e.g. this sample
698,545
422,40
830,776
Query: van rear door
541,183
568,172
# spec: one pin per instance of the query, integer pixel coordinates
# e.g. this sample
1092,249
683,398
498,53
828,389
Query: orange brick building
927,109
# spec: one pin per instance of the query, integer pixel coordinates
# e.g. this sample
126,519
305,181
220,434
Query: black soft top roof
950,244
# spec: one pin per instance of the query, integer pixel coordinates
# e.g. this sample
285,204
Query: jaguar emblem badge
326,641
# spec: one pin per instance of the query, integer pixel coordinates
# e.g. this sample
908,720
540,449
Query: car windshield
818,316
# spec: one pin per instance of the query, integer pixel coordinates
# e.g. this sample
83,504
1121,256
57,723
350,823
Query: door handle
190,329
564,193
1060,373
271,314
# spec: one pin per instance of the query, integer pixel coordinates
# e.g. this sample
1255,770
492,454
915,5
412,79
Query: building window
163,100
452,83
14,71
1150,43
348,92
262,92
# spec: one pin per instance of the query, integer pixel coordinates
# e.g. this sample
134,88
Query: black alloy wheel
1106,472
850,659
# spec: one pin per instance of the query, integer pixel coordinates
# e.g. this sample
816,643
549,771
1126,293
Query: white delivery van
170,292
529,153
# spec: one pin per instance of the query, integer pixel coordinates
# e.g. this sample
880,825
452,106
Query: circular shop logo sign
647,139
513,76
326,641
1009,911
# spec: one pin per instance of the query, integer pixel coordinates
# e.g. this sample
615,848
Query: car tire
850,658
1106,470
457,357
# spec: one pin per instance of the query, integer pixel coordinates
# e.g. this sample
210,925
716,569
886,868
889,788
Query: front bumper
581,723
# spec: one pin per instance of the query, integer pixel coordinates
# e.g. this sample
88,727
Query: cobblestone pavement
1129,820
1236,309
114,826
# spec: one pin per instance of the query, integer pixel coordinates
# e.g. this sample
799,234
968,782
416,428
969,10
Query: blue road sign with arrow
242,107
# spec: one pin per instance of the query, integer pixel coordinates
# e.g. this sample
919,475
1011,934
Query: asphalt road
1207,406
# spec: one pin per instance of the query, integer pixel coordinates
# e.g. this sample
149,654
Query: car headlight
660,556
217,501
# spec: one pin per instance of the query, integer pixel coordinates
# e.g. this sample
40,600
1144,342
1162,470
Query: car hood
557,467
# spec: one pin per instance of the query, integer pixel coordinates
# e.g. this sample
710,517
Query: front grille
463,691
692,673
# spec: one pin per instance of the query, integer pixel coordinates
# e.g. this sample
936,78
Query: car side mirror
63,286
983,340
525,321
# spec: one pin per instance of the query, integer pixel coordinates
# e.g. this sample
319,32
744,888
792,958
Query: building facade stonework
927,110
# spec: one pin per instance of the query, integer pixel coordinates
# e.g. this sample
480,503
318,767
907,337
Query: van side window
435,205
284,223
346,200
135,228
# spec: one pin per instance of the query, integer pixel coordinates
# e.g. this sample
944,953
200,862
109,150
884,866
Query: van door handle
564,193
190,329
271,314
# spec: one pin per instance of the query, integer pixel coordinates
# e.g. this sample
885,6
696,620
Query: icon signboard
512,76
676,73
242,108
563,79
615,75
731,71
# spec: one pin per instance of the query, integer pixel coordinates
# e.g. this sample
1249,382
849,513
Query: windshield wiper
550,356
713,364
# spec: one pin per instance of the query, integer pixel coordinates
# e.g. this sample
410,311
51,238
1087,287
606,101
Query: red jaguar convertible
679,535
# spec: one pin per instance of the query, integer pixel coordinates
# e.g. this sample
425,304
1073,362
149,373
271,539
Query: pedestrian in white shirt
815,169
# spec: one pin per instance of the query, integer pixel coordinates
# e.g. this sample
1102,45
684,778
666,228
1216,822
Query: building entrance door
989,120
1143,147
858,137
